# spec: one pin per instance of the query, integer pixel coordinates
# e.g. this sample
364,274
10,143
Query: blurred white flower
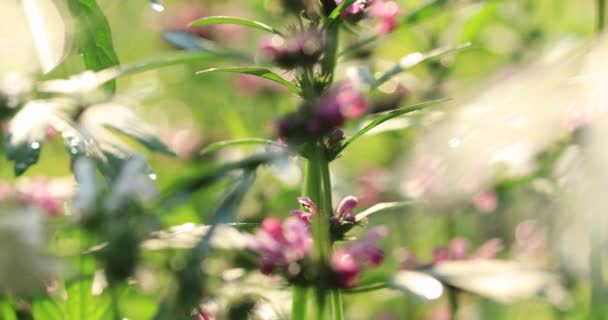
501,132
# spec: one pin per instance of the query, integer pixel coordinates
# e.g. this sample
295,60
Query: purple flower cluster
348,261
384,11
327,114
285,246
298,49
282,245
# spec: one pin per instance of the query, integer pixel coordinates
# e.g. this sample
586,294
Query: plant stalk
299,303
314,189
336,295
601,10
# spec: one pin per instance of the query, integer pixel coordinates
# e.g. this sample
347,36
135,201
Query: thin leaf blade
386,117
214,147
234,20
259,72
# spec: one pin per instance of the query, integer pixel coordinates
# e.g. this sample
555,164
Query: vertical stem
597,271
336,295
314,189
299,303
454,305
601,8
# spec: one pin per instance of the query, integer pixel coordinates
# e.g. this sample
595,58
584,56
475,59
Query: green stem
601,8
453,300
336,295
320,224
299,303
597,272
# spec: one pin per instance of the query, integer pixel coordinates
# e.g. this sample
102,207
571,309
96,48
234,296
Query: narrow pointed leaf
260,72
386,117
414,59
239,142
233,20
95,38
380,207
335,14
46,309
120,118
426,11
187,235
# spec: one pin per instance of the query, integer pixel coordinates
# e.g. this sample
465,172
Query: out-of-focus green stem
336,295
454,305
601,11
299,303
598,302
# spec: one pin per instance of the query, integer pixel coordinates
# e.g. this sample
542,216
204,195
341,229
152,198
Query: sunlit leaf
95,38
48,31
46,309
233,20
260,72
157,5
414,59
28,129
418,283
82,304
501,281
387,116
380,207
8,313
476,23
239,142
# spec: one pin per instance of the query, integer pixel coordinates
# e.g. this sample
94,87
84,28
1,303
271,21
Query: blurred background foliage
192,111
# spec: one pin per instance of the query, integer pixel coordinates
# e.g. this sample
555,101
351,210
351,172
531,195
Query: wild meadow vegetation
303,159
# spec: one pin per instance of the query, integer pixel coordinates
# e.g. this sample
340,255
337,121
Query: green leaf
335,14
380,207
120,118
426,11
414,59
95,40
184,186
46,309
387,116
476,23
260,72
81,304
233,20
239,142
8,313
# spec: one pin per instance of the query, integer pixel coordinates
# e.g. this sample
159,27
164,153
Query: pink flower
355,8
486,202
348,262
345,209
338,104
386,12
281,245
310,209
